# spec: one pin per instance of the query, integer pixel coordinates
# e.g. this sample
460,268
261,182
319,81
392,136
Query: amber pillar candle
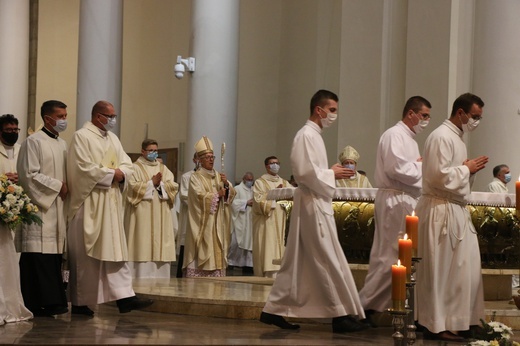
412,227
398,286
405,255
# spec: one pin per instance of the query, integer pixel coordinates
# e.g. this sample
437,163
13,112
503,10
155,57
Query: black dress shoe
132,303
346,324
444,336
368,321
53,310
81,310
278,321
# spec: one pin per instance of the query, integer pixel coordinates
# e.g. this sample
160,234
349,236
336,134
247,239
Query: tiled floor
108,326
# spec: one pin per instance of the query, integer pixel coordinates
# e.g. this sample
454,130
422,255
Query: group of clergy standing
113,219
80,191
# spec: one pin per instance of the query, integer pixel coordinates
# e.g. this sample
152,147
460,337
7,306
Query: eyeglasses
109,116
11,130
425,116
476,117
209,157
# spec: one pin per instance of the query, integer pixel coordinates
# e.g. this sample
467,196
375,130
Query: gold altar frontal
493,215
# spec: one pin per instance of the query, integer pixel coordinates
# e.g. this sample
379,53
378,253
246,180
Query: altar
493,215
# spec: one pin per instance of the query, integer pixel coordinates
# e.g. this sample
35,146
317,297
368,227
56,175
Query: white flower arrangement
15,206
495,334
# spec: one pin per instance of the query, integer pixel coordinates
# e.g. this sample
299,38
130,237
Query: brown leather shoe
444,336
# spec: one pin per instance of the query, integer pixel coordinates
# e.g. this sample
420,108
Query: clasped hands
476,164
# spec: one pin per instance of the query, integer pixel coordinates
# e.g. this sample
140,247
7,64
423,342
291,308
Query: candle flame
405,236
398,262
413,212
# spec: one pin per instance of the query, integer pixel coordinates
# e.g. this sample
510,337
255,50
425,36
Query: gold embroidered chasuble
148,221
208,233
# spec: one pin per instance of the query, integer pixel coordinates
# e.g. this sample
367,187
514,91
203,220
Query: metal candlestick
398,317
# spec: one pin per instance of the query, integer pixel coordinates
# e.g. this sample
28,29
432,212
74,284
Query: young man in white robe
148,218
209,218
183,214
314,280
449,290
42,167
269,219
240,253
349,158
398,177
97,171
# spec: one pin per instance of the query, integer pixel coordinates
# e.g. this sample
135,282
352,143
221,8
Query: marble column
100,57
496,79
14,60
213,92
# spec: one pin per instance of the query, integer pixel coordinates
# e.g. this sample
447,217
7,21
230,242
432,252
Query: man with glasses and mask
314,280
9,148
148,218
99,169
449,279
209,217
269,221
398,176
42,167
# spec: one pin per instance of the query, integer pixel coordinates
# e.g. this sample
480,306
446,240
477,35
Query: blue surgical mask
152,156
249,183
507,177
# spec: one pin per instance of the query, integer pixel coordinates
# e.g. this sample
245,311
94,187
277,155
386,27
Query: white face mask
61,125
471,125
328,120
418,128
249,183
274,167
110,124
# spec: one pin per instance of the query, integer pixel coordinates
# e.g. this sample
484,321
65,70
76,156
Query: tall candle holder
398,317
410,304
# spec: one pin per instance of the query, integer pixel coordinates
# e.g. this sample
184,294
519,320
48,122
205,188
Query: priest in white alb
148,218
269,219
240,252
182,197
209,218
450,298
9,148
98,170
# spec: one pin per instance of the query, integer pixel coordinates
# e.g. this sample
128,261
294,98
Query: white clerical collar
314,125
